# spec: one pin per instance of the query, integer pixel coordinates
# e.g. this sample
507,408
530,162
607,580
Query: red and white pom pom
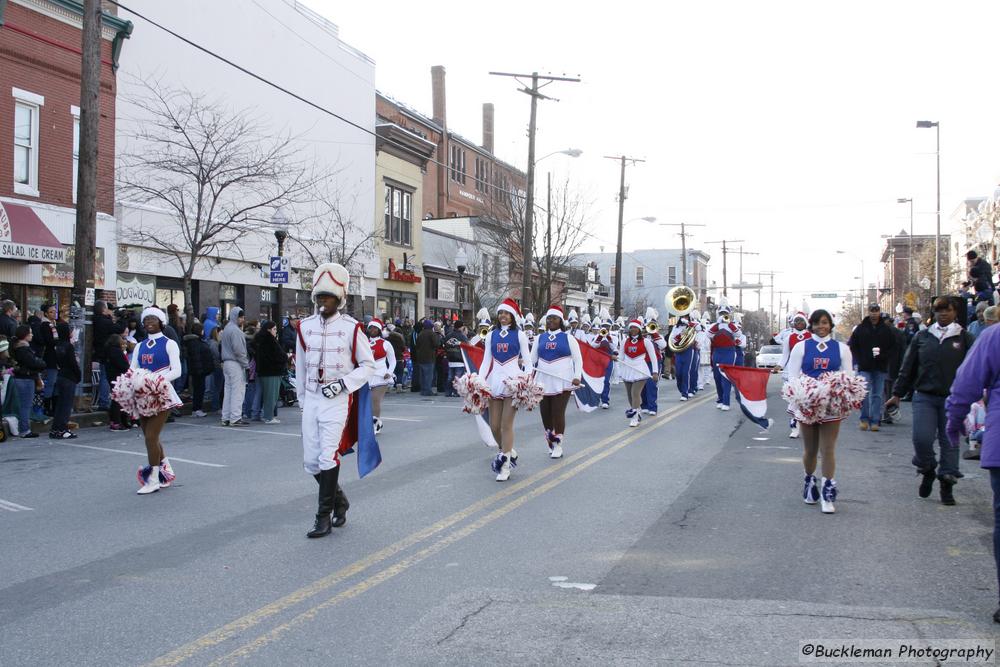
523,391
142,394
830,398
123,394
474,391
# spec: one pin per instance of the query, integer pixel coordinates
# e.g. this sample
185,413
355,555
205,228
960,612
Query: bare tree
850,317
217,171
558,234
331,233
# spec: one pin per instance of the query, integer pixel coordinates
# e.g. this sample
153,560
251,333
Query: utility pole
548,243
771,285
742,252
683,234
621,227
527,240
85,241
725,251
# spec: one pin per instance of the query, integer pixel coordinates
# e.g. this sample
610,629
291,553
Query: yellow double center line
592,454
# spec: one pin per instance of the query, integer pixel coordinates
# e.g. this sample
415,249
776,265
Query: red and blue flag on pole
359,431
751,389
473,358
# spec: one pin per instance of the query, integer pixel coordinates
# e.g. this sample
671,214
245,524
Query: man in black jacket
929,368
979,270
8,323
456,363
104,326
872,345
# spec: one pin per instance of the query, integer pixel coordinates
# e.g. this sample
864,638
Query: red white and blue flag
473,358
751,389
595,368
359,432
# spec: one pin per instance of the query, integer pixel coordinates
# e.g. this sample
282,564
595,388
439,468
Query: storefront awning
24,237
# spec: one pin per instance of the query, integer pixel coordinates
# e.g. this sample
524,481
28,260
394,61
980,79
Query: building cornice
403,144
70,12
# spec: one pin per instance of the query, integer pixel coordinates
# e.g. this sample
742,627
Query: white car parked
769,356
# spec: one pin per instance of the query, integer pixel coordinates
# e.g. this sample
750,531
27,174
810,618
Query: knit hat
635,322
511,307
555,311
377,323
153,311
331,278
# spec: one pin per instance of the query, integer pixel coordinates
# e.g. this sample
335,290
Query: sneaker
68,435
971,455
634,421
238,422
718,406
874,427
29,434
864,425
604,406
225,423
828,496
794,433
556,452
683,397
724,408
118,427
56,435
275,420
199,413
810,492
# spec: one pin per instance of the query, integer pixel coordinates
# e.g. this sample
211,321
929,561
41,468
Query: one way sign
279,264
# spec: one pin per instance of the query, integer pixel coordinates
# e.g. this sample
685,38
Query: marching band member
694,384
333,359
586,323
162,356
385,365
789,339
687,367
704,346
651,392
607,341
741,339
817,355
574,324
484,325
558,368
529,329
723,335
638,365
506,355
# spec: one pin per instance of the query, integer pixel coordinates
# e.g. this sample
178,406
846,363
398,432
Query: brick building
39,133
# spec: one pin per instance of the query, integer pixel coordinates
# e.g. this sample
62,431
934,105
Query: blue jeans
250,401
871,409
995,483
49,375
453,373
216,382
426,379
25,397
929,420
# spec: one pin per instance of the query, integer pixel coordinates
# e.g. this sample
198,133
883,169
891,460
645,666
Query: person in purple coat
978,373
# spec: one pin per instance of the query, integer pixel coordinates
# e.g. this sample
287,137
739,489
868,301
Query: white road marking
569,584
400,419
241,429
767,447
558,578
143,454
13,507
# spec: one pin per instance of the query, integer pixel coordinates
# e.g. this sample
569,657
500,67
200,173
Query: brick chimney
438,95
488,127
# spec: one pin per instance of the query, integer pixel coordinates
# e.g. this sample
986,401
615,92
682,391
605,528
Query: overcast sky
789,125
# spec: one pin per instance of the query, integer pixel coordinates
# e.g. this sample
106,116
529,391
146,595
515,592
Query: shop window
76,147
398,212
27,107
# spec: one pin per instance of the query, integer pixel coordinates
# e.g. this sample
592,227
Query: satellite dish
925,282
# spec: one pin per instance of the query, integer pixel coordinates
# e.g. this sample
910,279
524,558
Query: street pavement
682,541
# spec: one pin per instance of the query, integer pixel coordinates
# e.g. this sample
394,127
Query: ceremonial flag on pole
359,431
751,389
595,368
473,358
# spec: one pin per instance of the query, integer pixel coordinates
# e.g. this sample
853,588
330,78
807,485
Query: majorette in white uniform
507,353
637,354
556,359
384,357
333,359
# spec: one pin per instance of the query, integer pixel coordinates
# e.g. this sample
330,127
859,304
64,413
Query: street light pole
937,232
461,263
909,268
280,223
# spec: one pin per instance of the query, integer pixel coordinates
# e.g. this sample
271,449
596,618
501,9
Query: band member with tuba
680,303
724,336
651,392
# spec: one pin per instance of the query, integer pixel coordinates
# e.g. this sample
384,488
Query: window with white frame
640,274
26,112
671,275
75,111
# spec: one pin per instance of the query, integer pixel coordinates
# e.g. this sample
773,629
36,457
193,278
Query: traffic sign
279,264
824,296
279,277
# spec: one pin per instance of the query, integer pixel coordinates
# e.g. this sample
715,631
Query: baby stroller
286,392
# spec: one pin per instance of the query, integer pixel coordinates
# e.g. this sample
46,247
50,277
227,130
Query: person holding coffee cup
872,344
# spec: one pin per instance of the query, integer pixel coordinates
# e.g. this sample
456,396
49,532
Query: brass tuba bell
679,302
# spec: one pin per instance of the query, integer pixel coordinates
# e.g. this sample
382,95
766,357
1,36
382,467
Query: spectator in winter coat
46,337
288,334
977,325
979,269
27,366
104,326
216,380
8,320
425,356
872,345
117,361
233,348
211,321
200,365
456,363
272,364
929,368
980,372
398,343
67,378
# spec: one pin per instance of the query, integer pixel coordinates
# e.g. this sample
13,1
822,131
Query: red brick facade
40,54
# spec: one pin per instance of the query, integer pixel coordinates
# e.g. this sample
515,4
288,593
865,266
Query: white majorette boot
166,473
810,492
795,431
556,447
828,495
152,482
503,474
